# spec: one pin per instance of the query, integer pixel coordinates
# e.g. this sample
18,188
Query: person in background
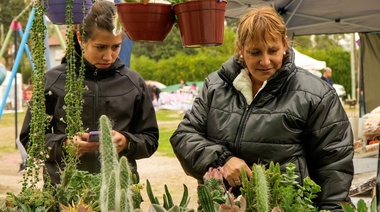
259,91
24,88
182,84
112,89
326,76
28,93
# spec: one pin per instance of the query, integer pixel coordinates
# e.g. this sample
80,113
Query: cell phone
93,136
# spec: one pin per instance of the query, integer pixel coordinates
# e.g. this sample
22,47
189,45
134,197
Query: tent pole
353,66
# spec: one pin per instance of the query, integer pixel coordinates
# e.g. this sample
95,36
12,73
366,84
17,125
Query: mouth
265,69
104,65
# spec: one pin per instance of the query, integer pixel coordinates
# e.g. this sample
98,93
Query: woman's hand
233,169
120,141
81,145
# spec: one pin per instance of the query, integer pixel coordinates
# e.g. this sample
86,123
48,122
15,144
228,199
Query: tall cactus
115,193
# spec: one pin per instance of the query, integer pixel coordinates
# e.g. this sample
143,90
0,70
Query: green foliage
32,199
327,48
162,50
81,185
168,203
361,206
265,190
168,62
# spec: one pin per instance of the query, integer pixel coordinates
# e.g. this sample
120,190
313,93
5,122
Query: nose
265,60
107,56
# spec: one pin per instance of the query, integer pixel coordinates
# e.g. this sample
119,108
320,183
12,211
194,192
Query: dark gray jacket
296,117
117,92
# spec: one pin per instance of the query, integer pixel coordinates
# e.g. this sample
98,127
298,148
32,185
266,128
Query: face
263,60
28,95
102,49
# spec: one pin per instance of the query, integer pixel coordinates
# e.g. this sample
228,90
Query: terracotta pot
56,11
201,23
146,21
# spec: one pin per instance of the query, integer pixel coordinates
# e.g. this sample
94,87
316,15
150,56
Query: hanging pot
146,21
56,10
201,23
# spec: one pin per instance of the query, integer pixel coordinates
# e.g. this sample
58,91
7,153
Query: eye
116,47
273,50
100,47
254,52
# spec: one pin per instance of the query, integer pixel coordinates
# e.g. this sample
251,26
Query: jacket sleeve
193,149
330,152
143,135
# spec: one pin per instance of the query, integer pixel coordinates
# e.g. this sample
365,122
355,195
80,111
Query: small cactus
116,193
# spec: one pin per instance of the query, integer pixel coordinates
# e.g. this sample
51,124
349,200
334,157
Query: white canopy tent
309,63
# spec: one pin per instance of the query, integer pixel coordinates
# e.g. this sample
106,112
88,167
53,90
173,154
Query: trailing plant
32,198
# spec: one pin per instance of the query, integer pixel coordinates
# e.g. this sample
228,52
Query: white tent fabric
307,62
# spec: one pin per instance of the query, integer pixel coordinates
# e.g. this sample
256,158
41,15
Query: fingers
234,168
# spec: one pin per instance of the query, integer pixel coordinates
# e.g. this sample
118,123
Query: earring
285,53
241,57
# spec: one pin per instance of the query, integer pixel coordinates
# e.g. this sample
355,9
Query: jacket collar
91,72
236,75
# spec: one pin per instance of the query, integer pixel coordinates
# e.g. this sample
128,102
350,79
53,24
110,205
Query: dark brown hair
102,16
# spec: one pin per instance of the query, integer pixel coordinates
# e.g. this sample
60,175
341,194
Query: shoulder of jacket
305,81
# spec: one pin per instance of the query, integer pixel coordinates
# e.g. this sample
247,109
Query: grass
167,121
8,129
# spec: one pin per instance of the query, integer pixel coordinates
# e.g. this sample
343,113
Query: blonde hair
259,23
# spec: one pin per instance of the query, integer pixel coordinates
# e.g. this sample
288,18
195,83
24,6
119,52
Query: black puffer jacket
117,92
295,118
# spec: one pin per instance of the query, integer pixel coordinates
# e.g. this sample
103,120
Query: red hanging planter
201,23
146,21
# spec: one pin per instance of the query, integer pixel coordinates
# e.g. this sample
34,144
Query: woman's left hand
121,142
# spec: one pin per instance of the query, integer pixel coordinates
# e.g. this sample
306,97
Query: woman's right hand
81,145
233,169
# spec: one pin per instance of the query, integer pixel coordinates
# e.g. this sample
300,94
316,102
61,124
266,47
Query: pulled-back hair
258,24
102,16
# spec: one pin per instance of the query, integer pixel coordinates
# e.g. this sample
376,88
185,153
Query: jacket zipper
243,121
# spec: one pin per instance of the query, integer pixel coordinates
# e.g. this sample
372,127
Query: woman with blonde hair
259,107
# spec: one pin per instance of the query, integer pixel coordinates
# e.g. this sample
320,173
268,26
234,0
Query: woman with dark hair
112,89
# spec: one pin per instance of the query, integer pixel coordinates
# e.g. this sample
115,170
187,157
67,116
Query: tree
171,46
327,48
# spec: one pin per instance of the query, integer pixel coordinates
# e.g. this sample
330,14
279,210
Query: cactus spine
115,193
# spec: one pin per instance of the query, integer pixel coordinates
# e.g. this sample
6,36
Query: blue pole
126,48
27,49
17,60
